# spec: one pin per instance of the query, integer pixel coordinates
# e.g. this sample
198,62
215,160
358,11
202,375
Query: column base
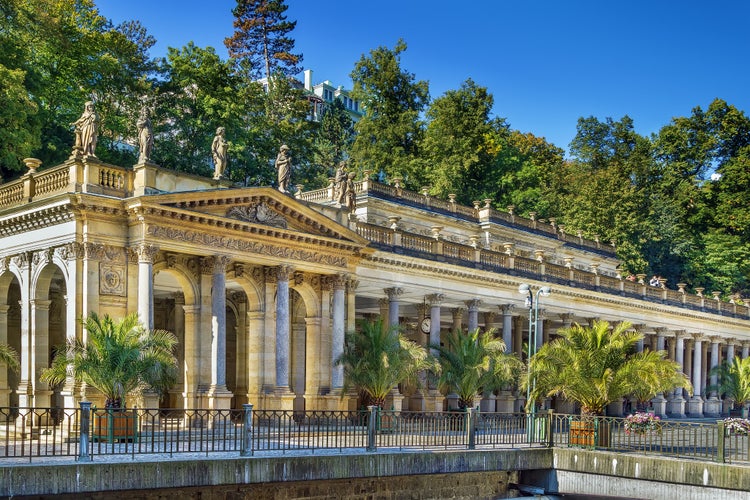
614,409
505,402
394,401
218,398
659,404
695,407
676,407
433,401
712,407
488,404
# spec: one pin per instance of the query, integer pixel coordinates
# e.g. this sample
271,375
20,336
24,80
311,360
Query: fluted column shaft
282,328
337,342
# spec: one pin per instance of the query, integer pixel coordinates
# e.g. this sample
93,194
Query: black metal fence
86,433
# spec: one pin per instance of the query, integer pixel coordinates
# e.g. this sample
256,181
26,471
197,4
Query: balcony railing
85,433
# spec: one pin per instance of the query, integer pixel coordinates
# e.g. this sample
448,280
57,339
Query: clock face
425,325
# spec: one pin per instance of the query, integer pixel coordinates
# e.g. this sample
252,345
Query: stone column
677,404
539,329
695,405
337,342
40,347
458,317
393,305
712,407
518,335
4,387
745,349
473,308
146,254
351,309
727,403
192,356
179,331
659,402
507,310
434,401
283,332
218,395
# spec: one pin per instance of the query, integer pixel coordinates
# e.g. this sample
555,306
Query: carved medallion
112,279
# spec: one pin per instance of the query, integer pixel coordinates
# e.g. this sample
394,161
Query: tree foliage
733,380
594,366
261,45
474,362
118,358
389,133
376,359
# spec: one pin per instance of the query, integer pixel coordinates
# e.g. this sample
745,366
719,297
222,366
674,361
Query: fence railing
86,433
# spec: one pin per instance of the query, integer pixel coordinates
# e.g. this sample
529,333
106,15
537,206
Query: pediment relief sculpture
259,213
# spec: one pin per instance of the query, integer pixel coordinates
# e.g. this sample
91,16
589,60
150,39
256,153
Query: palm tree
472,362
119,359
9,356
376,359
596,365
734,380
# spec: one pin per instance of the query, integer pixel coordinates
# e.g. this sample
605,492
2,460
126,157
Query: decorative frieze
265,249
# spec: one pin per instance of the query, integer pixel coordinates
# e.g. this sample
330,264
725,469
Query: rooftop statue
86,131
145,136
284,168
219,153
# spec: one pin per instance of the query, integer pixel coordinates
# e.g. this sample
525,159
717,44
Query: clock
425,325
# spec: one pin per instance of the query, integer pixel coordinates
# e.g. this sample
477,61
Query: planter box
115,425
591,433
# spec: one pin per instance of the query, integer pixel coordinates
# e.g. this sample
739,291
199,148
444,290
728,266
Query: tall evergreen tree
261,44
390,131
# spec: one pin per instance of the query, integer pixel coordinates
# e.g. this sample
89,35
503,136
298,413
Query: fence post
83,431
721,458
550,416
371,425
247,431
470,415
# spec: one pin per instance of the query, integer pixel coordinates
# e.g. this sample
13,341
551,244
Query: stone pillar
42,395
745,349
659,402
473,308
676,406
458,317
146,254
539,329
179,331
337,342
727,403
383,304
730,352
507,310
695,405
351,309
218,395
4,386
434,401
192,356
393,305
712,407
518,335
283,333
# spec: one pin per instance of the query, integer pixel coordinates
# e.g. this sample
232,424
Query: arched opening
10,333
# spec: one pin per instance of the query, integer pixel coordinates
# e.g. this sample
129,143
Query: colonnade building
260,286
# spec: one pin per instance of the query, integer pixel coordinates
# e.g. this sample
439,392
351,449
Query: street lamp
532,302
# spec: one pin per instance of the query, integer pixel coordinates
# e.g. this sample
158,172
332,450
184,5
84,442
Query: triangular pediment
257,207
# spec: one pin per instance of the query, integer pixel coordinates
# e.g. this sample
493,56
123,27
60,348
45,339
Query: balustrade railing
86,433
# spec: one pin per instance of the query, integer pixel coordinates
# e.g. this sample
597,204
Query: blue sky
546,62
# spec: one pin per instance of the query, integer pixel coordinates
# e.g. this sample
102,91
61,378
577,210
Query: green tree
333,138
118,358
376,359
596,365
9,356
458,146
473,362
390,131
733,380
261,44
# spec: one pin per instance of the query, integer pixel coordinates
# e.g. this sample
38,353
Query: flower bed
642,423
737,426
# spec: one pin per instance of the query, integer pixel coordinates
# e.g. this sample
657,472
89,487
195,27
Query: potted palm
734,382
120,359
595,366
472,362
377,359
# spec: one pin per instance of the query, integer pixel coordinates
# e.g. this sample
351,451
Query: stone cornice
488,277
37,219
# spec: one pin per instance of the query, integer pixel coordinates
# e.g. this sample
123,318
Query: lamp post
532,302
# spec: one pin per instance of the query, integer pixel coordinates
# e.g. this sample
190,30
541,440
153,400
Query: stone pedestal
452,401
676,407
614,409
488,404
505,402
659,404
695,407
394,401
712,407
